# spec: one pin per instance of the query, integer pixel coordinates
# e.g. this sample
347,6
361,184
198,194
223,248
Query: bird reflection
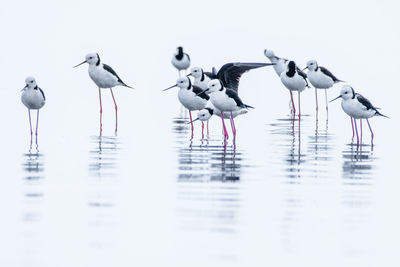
103,157
358,164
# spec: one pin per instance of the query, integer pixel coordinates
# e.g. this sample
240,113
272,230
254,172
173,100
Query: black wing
41,91
329,74
302,74
187,56
198,90
110,70
233,94
365,102
230,73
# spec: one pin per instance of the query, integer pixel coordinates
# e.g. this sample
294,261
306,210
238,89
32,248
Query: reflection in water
358,172
102,196
104,155
208,194
32,208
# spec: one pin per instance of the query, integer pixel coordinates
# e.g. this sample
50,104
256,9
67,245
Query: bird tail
247,106
380,114
123,84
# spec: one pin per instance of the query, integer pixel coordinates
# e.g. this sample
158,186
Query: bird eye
31,81
345,92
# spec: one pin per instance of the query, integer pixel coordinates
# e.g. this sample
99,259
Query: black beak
175,85
79,64
335,99
24,88
192,121
203,91
304,69
189,75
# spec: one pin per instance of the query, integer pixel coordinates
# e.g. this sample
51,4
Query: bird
321,78
227,81
294,79
206,113
190,96
104,77
33,98
180,60
357,107
226,100
201,78
280,63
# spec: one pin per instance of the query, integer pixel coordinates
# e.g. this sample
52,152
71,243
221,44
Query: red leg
372,133
30,123
299,106
233,125
355,126
326,102
294,109
226,136
191,121
207,127
361,131
352,127
316,102
116,111
202,129
101,111
37,125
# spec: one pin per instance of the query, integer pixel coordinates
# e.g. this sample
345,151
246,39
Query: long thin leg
299,106
233,125
372,134
316,102
37,125
352,127
361,131
207,127
226,136
116,110
191,121
355,126
30,124
326,102
294,109
101,112
202,129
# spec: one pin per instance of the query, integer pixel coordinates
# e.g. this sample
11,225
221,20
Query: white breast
319,79
32,99
295,83
222,102
182,64
190,101
355,109
101,77
202,84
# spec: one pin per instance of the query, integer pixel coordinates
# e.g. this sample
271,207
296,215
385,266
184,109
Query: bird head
205,114
269,53
91,59
214,85
30,82
312,65
347,92
196,72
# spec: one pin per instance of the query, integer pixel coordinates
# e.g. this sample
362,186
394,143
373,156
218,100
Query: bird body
206,113
293,78
201,78
320,77
32,96
190,100
180,60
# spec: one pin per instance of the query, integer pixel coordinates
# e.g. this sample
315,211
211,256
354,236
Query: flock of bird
216,92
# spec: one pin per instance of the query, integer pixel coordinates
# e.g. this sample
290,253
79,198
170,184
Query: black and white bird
206,113
294,79
33,98
180,60
201,78
320,78
280,63
104,77
190,96
224,89
357,107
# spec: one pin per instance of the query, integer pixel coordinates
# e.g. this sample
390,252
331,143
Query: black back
210,110
110,70
41,91
365,102
198,90
329,74
179,56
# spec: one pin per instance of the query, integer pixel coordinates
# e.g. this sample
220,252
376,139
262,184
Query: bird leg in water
233,125
291,98
226,136
30,124
316,101
355,126
372,133
191,121
202,129
101,112
326,103
37,125
116,110
299,105
361,131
